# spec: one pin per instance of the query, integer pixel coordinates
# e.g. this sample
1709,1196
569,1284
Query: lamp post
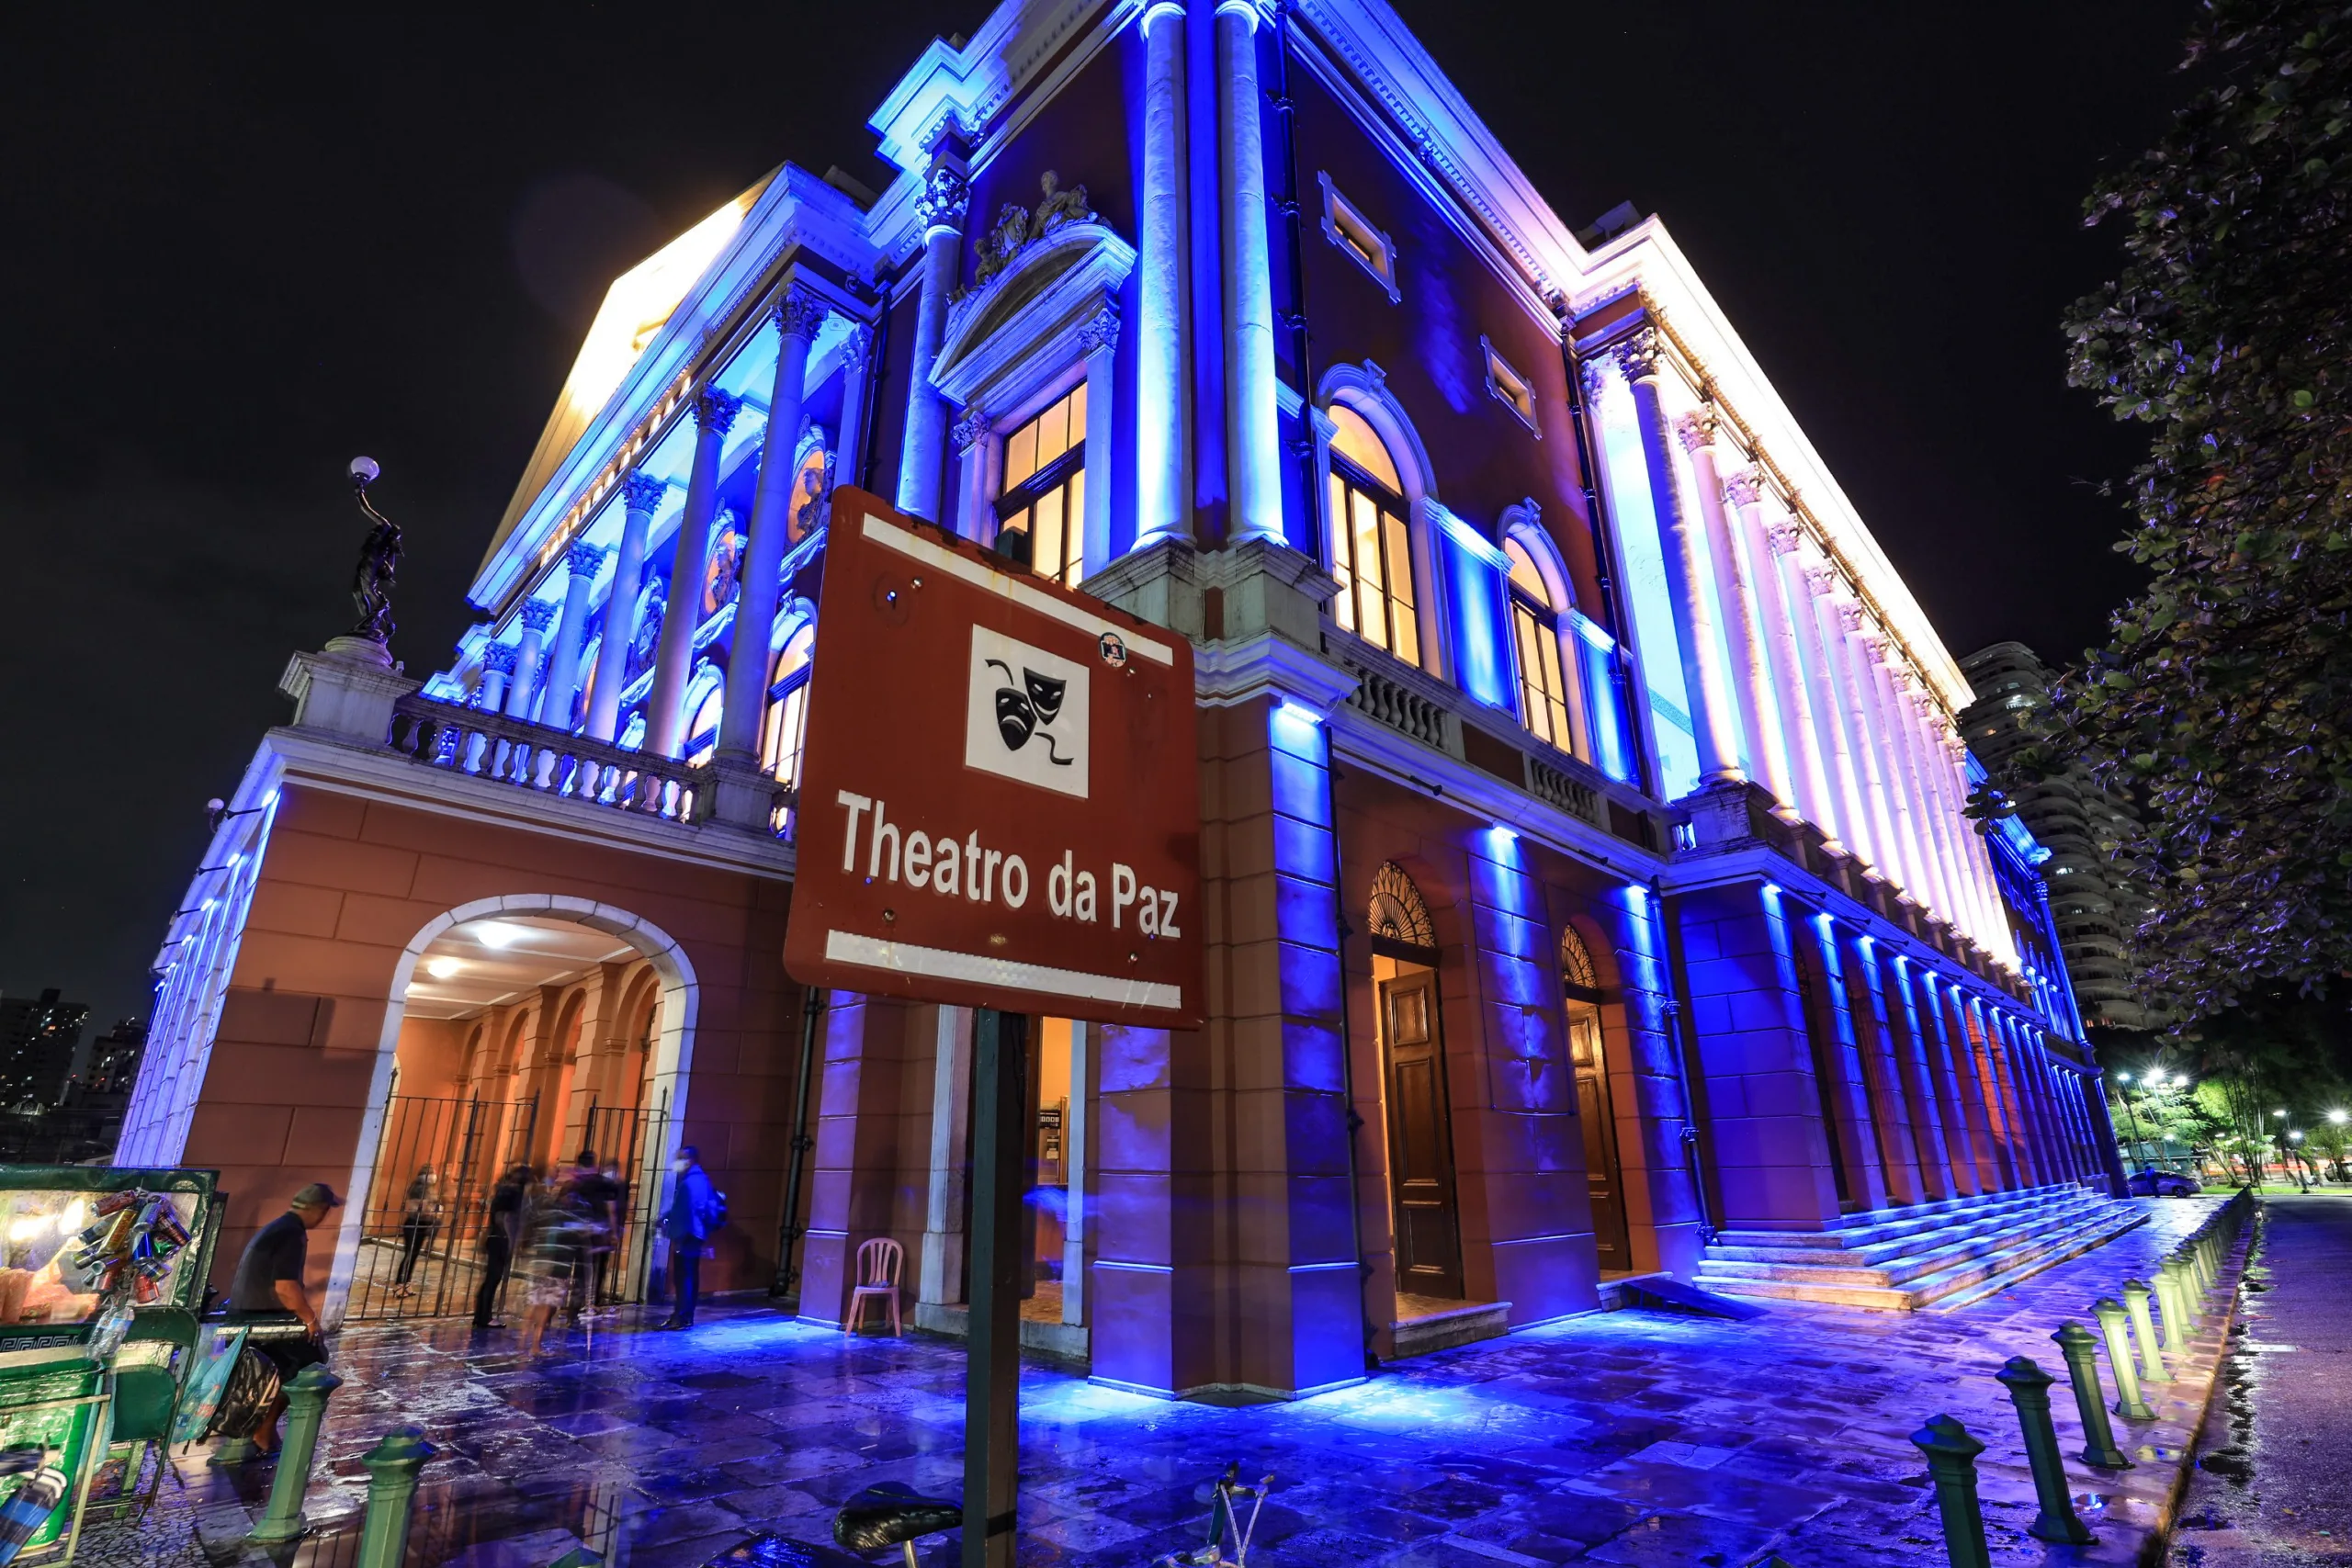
379,560
2295,1156
2123,1090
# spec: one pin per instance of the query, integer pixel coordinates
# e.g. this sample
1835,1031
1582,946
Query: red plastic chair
878,1263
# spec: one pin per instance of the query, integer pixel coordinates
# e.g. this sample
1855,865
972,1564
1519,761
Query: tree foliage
2222,702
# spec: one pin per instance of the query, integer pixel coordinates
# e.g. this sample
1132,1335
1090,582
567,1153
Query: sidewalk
2272,1489
1618,1437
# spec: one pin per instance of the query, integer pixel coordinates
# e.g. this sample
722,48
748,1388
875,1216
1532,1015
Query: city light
2339,1117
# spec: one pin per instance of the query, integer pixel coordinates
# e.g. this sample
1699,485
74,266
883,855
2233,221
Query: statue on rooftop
379,561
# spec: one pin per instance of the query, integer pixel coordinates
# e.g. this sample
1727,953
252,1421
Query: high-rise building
1584,870
2087,831
39,1036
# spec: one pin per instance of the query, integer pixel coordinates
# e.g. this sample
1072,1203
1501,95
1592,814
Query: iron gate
627,1144
436,1163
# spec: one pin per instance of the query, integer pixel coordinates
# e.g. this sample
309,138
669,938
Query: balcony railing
549,761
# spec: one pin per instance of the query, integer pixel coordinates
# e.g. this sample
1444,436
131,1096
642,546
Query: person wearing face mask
696,1209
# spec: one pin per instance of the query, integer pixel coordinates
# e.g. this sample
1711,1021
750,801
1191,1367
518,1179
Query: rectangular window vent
1510,388
1349,228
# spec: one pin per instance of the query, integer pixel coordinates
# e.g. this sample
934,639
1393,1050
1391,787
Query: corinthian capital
1744,488
1100,331
1696,430
799,312
857,342
642,493
970,430
944,198
499,659
1850,617
714,410
1784,534
1638,356
583,560
539,615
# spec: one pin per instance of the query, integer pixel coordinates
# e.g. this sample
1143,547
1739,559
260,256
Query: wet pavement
2273,1488
1621,1438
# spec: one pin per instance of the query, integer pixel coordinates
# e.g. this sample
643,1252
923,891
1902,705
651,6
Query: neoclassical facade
1587,887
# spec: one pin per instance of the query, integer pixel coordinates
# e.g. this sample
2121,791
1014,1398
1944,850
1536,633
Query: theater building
1587,892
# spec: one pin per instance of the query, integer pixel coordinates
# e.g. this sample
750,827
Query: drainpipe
1678,1020
813,1006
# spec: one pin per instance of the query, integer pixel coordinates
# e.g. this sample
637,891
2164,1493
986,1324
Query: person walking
553,1263
696,1209
421,1216
268,1283
500,1233
598,1198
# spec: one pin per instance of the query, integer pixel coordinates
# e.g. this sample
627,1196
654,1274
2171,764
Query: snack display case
102,1279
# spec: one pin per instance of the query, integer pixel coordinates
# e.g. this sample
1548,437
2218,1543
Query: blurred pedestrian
420,1218
268,1283
696,1210
502,1231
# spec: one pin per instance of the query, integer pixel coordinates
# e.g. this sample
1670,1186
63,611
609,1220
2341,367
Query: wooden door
1601,1176
1420,1141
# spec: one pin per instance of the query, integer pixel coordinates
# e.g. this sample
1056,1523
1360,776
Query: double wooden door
1420,1139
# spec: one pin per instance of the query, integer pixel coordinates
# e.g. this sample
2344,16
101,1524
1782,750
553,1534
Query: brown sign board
1000,790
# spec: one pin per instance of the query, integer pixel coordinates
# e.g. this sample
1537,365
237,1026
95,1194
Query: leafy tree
2223,701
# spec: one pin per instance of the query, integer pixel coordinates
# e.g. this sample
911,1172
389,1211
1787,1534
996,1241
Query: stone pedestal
346,691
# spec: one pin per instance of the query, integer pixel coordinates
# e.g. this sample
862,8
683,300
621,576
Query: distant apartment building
2083,828
39,1036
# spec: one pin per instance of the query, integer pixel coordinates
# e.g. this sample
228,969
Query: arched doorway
1412,1053
487,1040
1580,989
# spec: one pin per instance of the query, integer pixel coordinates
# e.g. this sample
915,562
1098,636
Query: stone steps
1956,1251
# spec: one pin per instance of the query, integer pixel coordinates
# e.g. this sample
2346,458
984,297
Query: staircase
1943,1255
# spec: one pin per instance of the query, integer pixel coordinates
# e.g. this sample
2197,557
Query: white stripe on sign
938,964
909,543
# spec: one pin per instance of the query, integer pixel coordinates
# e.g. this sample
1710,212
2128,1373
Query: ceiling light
442,968
495,933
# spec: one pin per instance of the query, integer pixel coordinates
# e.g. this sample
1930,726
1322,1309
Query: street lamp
2339,1117
379,560
2123,1080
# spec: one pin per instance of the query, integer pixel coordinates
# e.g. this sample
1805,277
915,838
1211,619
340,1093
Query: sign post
999,809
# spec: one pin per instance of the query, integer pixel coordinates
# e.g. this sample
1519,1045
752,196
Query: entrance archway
1604,1178
668,1069
1425,1211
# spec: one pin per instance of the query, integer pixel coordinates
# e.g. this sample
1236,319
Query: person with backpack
697,1210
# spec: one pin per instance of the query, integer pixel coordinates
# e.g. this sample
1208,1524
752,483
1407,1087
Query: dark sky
243,244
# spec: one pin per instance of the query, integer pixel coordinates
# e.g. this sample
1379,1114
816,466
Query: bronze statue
1060,207
380,562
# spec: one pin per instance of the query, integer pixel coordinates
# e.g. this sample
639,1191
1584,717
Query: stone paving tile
1629,1437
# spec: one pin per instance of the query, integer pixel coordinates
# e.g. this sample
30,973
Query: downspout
813,1006
1702,1178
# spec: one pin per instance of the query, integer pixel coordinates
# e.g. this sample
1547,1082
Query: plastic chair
878,1262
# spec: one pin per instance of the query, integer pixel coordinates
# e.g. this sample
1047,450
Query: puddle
2231,1464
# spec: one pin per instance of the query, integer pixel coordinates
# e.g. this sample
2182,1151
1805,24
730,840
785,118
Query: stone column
2001,1095
972,515
1100,337
1800,736
1892,1108
582,562
1737,598
1842,626
1912,701
797,315
497,674
1641,357
941,207
1816,616
1910,822
940,1279
1976,1100
1990,930
854,1173
857,385
1254,488
1163,298
641,494
537,617
665,718
1916,1074
1076,1196
1931,1039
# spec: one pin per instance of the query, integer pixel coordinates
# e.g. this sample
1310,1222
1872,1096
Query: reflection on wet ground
1621,1438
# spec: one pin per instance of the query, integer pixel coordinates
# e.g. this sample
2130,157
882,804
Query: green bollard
391,1466
2029,1388
1952,1464
2077,1345
2192,1285
2143,1329
306,1406
2128,1404
2210,1261
579,1557
2173,1296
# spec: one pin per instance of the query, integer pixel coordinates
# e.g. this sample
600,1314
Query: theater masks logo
1025,713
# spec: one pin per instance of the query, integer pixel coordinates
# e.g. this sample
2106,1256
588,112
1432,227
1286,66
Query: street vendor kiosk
102,1277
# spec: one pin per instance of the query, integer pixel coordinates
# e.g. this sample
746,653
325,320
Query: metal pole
1952,1464
391,1466
2173,1297
2080,1349
992,1365
2029,1388
813,1005
2127,1402
306,1406
2143,1329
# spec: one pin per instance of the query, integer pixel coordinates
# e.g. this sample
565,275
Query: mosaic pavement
1629,1437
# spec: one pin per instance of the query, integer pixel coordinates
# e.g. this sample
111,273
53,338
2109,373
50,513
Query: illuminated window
1042,503
702,729
787,719
1370,556
1346,226
1535,632
1510,388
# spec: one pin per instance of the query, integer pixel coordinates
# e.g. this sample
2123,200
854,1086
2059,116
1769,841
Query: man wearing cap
269,1279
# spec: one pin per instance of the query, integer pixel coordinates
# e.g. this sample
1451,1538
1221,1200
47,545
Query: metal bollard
392,1465
2206,1263
2077,1345
306,1407
2143,1329
1952,1464
2127,1402
2029,1388
2174,1298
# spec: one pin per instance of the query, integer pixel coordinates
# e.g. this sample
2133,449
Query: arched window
812,483
1043,499
1370,553
1398,916
1535,635
703,700
787,717
1577,977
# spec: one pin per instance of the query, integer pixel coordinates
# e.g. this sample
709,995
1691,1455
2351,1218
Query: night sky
244,245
